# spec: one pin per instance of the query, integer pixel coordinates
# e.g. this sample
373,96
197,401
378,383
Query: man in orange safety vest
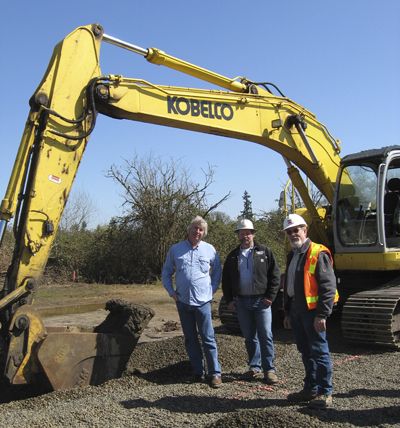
309,295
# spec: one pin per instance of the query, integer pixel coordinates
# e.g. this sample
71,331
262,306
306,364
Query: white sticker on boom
54,179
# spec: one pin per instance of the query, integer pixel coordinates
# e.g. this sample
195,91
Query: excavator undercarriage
372,317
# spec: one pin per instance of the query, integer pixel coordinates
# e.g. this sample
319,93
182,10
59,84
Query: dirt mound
125,318
169,356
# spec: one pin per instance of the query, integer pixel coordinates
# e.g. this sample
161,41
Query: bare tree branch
161,198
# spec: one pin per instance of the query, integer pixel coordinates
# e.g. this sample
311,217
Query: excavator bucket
70,357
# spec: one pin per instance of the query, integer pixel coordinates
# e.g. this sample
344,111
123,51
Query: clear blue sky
338,58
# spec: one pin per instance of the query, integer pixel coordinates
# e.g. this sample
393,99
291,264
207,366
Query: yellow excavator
360,220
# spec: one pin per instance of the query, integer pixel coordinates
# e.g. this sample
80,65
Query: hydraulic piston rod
125,45
159,57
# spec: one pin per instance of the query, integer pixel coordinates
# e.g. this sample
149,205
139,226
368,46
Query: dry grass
75,294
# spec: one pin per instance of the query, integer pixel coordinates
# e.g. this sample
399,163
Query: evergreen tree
247,209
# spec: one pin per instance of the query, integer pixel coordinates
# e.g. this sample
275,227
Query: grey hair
199,221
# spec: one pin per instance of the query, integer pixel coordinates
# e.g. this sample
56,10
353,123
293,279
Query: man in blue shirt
197,271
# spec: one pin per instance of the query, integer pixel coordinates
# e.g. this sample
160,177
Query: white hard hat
293,220
244,224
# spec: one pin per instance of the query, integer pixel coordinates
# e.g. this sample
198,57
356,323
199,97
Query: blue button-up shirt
197,272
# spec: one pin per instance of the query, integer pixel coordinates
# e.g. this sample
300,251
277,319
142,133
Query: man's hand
319,324
266,302
286,322
175,297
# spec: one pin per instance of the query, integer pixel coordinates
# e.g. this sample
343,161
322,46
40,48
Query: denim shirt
197,272
245,266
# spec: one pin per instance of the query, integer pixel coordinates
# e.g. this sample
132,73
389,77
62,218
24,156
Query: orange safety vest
310,283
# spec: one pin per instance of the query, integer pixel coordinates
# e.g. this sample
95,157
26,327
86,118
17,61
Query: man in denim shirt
197,271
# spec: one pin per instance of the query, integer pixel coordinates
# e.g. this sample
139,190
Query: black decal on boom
207,109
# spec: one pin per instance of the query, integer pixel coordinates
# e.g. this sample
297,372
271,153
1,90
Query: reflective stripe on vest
310,283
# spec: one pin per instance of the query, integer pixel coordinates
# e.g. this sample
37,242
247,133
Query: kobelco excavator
360,221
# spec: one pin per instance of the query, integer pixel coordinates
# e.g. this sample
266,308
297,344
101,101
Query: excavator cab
368,205
367,245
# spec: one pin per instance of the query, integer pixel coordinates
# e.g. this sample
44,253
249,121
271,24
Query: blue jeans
314,350
255,320
197,320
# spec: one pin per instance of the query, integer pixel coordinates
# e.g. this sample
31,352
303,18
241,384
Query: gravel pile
156,392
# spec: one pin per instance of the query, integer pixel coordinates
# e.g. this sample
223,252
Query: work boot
322,401
253,374
302,396
270,377
215,381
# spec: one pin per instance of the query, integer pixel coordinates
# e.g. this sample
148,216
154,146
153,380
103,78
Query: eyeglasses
293,230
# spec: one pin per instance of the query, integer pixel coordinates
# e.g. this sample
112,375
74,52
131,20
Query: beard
296,244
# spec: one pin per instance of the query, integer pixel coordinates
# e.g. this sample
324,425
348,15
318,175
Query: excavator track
228,318
373,317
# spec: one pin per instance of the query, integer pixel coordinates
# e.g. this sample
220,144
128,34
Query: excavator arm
63,113
59,124
54,139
